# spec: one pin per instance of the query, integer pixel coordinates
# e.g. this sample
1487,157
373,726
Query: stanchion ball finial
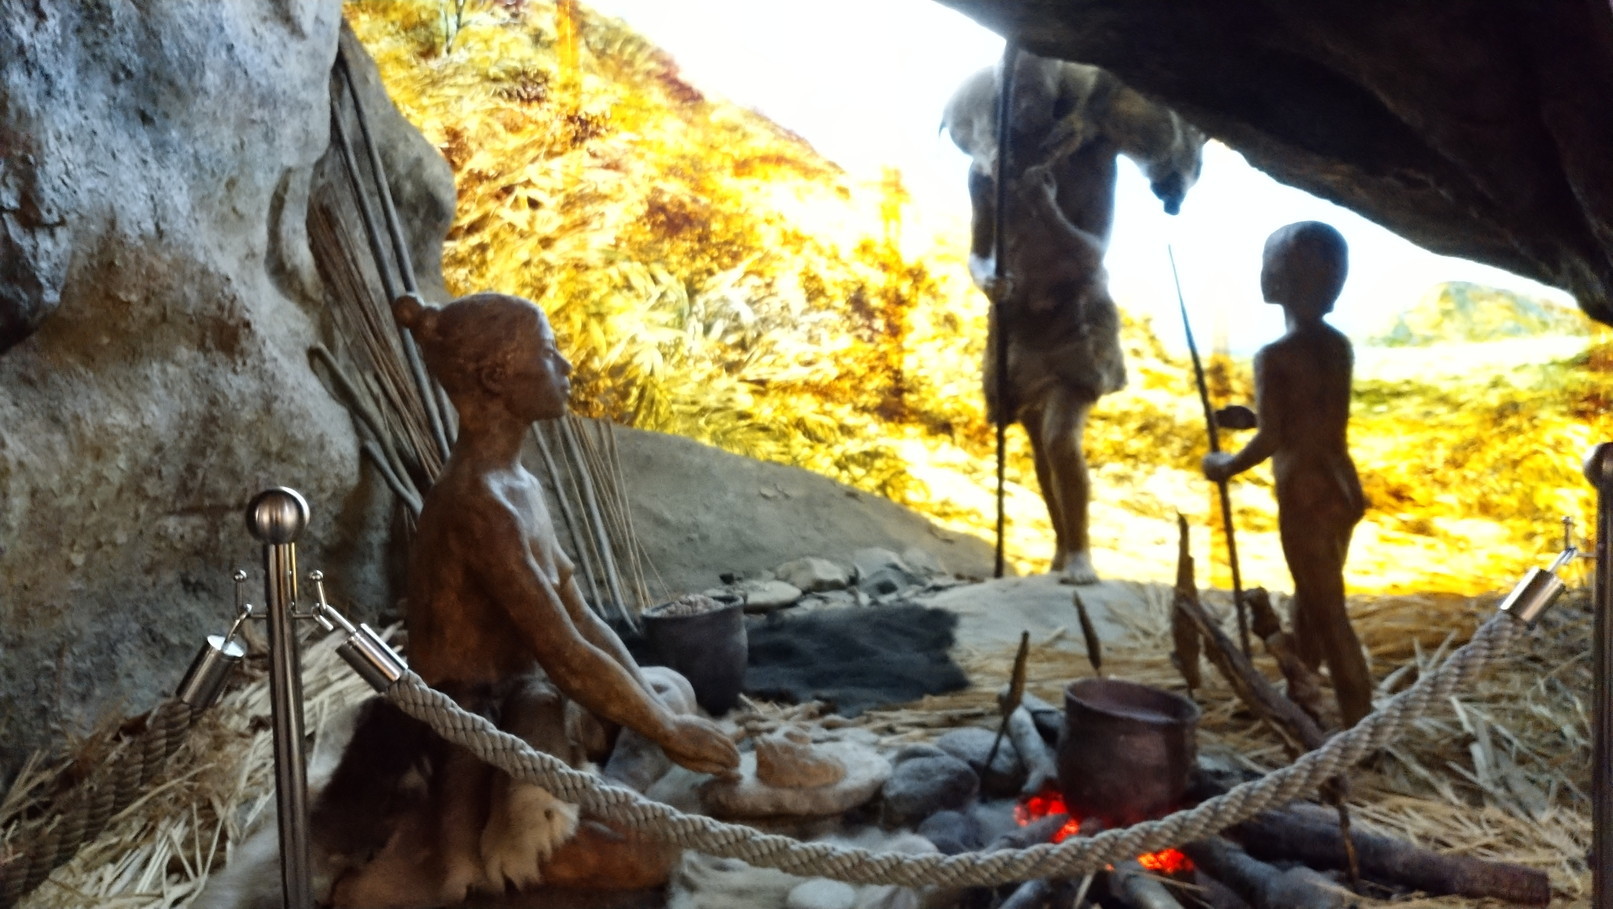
1599,464
277,515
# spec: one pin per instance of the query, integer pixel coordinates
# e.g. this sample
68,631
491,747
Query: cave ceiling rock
1474,130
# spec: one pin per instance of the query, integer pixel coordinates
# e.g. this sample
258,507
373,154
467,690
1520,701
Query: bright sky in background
865,82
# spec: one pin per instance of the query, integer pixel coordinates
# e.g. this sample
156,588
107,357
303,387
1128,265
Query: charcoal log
1132,886
1041,768
1265,886
1310,836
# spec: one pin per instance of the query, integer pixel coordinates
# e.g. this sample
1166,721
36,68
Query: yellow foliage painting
710,275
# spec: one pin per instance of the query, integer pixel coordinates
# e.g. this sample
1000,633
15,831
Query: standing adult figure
1050,294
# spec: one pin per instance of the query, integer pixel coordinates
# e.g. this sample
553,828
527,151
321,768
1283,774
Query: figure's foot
526,826
1077,569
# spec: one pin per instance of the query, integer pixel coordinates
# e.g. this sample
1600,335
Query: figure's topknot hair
460,337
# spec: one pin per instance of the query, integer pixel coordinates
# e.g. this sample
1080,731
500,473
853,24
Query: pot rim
1181,710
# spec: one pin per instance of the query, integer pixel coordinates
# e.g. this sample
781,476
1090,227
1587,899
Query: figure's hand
697,743
1236,416
1218,465
998,288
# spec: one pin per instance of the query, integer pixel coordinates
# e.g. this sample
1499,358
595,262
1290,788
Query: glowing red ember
1051,801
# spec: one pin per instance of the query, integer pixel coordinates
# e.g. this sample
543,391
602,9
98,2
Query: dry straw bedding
1503,773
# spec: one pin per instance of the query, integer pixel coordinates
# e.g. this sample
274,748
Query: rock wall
157,300
1476,130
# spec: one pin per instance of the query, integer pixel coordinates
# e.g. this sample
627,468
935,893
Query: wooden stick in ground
1016,691
1089,635
1265,886
1297,729
1304,685
1185,647
1308,835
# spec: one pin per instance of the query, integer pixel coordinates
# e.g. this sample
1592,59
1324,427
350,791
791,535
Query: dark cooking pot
1125,751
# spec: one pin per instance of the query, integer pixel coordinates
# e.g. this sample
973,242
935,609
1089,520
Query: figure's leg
1063,422
1033,422
526,823
1321,623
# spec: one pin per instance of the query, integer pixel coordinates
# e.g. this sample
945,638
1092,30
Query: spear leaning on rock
1215,445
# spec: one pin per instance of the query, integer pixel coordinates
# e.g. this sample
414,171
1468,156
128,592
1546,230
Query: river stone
972,744
926,782
788,759
767,596
953,832
822,893
814,575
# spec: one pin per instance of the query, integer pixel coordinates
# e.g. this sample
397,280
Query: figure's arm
1268,435
595,631
982,227
596,677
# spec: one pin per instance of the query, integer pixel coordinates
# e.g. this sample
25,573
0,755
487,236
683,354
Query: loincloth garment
1075,346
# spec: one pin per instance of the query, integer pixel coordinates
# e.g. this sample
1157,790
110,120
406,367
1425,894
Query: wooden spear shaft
1215,445
1005,107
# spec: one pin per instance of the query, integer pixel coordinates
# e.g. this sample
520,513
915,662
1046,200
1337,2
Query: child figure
1302,395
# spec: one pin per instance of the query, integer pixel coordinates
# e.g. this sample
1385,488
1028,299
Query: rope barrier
81,815
49,841
1073,857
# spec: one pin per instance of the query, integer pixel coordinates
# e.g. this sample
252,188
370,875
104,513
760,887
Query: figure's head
491,348
1304,267
1173,172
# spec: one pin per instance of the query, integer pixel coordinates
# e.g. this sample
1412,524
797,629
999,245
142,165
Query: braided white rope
1075,856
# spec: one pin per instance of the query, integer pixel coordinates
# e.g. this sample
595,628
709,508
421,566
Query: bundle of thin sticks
404,418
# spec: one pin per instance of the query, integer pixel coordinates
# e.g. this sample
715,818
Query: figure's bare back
458,630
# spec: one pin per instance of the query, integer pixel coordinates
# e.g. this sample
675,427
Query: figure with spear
1302,404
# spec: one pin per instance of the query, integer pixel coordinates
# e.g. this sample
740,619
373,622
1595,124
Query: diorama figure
1070,122
1302,403
491,594
1063,347
401,818
496,619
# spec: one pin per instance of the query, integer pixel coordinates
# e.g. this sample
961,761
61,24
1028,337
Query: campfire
1050,803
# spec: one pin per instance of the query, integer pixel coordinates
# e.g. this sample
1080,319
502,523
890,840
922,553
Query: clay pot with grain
703,639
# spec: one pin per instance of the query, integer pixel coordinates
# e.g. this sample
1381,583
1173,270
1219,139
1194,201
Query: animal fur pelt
707,882
853,659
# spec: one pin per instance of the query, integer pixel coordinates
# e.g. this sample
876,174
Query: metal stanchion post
1599,470
276,517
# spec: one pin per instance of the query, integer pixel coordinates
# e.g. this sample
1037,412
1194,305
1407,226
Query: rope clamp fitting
1537,591
363,651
